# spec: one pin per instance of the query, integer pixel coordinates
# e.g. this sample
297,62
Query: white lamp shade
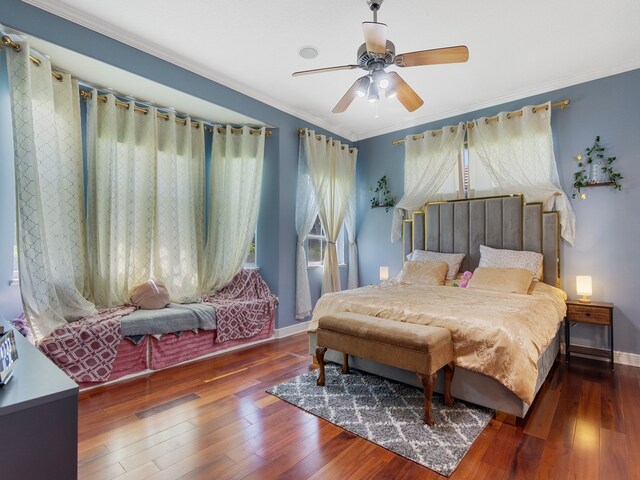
583,285
384,274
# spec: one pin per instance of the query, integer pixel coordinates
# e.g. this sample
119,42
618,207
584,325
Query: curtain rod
318,137
183,121
561,104
7,41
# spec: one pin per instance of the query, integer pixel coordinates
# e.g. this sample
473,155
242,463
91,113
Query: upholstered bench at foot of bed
418,348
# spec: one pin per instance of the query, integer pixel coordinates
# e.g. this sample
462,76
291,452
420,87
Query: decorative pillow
510,280
503,258
452,259
150,295
423,273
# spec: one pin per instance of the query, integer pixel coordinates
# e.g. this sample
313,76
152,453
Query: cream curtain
179,223
49,188
306,213
146,201
236,183
515,154
431,171
350,157
331,168
121,147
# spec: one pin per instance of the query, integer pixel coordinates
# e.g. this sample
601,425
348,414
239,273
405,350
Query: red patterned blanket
243,307
85,350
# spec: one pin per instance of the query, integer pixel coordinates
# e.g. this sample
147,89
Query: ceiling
516,49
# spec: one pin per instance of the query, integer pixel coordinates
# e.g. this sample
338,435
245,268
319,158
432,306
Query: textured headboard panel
461,226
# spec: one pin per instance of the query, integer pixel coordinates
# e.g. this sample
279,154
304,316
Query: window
15,280
250,261
317,243
465,166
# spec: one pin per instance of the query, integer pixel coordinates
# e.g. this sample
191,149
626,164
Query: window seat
120,341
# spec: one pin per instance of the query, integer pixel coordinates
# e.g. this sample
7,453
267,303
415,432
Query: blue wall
607,222
276,226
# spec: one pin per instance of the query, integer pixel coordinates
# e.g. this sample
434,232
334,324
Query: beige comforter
498,334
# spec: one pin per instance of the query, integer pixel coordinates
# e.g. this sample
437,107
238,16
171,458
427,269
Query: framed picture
8,356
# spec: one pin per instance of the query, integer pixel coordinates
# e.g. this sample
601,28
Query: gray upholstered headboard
461,226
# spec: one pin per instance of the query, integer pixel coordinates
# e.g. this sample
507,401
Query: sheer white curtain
50,196
331,171
236,183
515,154
431,171
146,201
179,223
350,157
306,213
121,147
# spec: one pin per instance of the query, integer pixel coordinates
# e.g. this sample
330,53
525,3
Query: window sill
251,266
314,266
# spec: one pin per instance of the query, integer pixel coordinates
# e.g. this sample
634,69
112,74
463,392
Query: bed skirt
153,354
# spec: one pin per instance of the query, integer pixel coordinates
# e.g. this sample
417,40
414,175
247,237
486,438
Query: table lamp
584,287
384,274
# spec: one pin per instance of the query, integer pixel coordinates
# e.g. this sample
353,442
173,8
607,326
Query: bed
515,371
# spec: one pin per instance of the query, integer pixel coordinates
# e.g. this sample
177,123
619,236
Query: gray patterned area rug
389,414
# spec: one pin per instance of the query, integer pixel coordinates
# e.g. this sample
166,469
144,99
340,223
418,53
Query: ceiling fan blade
323,70
375,36
406,95
348,97
433,57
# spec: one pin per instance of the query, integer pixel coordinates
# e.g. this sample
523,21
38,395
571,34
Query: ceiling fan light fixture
391,92
381,78
363,87
374,94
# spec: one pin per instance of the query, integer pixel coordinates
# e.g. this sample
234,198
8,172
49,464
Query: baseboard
623,358
292,329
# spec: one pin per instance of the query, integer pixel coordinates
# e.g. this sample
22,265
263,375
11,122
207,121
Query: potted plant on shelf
382,197
596,169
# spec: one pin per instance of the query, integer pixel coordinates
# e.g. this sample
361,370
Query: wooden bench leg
345,363
320,351
427,384
449,370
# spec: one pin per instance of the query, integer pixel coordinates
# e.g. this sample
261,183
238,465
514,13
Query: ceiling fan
376,54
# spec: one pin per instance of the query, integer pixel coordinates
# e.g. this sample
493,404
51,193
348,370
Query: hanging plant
595,169
383,197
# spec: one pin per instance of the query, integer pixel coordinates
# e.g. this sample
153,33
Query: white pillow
452,259
503,258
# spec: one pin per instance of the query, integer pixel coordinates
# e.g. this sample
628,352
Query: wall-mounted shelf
603,184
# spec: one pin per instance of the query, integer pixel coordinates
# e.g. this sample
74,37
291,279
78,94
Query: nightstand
595,313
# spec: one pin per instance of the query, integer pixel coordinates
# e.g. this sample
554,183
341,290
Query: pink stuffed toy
464,280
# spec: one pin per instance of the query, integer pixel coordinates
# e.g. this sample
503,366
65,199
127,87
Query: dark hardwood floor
213,420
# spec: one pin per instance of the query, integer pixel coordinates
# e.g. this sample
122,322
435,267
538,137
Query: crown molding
80,18
122,36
